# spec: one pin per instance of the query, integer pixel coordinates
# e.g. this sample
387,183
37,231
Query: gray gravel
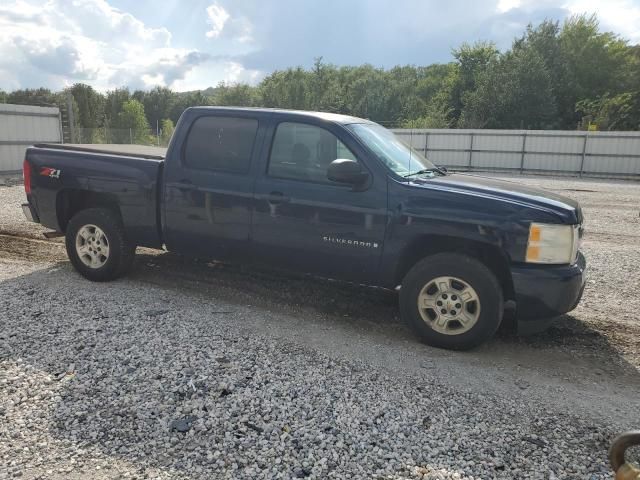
164,385
12,220
199,370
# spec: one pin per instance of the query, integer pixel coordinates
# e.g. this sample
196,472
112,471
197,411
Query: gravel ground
191,369
12,220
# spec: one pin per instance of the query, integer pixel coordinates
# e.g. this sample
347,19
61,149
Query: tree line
555,76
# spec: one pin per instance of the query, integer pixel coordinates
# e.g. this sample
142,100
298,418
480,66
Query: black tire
476,275
121,251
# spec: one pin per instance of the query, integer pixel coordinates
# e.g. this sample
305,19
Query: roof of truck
159,153
331,117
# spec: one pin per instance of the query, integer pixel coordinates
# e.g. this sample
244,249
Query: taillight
26,175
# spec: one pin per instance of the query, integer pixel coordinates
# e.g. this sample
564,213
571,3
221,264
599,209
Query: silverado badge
350,242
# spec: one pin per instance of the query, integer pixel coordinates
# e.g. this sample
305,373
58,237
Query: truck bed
65,176
140,151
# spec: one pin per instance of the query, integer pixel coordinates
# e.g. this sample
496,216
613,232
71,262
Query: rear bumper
547,292
30,213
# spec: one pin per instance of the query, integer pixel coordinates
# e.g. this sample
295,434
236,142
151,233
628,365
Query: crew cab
325,194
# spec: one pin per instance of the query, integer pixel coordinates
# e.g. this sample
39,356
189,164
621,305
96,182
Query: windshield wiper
426,170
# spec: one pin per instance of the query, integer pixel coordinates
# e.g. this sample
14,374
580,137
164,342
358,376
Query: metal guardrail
601,154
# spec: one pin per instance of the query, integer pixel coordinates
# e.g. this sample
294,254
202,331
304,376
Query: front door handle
276,198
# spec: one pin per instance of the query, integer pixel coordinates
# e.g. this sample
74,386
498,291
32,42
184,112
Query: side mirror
443,168
344,170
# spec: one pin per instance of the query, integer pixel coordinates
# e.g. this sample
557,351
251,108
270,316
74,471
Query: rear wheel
97,245
451,301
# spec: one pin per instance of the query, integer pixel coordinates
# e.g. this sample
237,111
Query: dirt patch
13,246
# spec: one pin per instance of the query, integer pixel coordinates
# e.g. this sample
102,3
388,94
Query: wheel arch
71,201
490,255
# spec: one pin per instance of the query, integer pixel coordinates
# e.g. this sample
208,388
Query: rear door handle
185,185
275,198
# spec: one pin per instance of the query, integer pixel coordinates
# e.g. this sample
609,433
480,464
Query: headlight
550,243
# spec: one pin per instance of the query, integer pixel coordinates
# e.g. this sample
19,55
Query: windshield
395,154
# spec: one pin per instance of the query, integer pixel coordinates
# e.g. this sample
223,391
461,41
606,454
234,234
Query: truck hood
507,190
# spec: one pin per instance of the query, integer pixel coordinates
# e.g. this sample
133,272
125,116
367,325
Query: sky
195,44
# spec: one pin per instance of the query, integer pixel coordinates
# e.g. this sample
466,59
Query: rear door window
221,143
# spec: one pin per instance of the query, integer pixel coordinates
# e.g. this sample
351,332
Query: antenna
410,148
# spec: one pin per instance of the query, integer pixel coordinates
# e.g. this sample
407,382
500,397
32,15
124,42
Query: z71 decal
50,172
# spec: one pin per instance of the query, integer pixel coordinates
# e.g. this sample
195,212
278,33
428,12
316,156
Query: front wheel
451,301
97,245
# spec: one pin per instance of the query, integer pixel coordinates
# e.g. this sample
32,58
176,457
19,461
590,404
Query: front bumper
30,213
549,291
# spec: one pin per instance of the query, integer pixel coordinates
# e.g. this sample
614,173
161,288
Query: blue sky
195,44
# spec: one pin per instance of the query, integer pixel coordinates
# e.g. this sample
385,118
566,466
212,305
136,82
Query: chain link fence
121,136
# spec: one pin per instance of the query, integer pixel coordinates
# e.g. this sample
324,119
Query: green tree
619,112
545,41
3,96
166,131
367,94
158,104
132,123
514,92
403,99
37,96
596,65
88,112
326,89
114,99
185,100
434,117
237,94
472,62
286,89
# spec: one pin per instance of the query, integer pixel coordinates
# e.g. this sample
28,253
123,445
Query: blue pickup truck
330,195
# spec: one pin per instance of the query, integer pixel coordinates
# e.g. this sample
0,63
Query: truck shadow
374,309
337,299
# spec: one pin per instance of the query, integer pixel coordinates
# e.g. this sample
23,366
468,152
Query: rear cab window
220,143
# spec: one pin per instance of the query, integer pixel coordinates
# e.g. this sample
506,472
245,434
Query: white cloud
236,28
217,17
163,66
230,72
506,5
619,16
66,41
